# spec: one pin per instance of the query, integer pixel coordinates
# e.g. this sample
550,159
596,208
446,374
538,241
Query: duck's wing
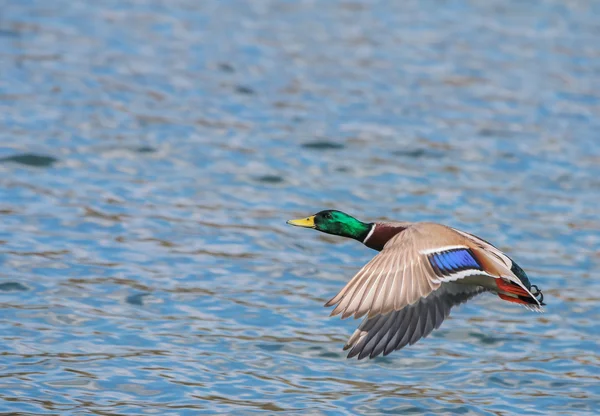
391,332
411,265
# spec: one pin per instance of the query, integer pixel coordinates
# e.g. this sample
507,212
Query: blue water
151,151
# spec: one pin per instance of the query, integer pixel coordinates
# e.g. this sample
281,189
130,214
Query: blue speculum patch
453,261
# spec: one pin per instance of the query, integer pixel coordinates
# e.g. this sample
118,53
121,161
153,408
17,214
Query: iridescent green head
336,223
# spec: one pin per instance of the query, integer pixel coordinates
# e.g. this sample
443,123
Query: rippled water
151,151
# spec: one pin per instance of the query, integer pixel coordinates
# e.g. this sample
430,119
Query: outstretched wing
412,265
383,334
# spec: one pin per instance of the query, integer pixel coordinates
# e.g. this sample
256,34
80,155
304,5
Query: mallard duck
422,270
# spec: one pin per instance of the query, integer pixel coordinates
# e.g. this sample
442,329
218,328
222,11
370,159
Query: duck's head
336,223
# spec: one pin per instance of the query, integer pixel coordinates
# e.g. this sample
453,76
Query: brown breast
382,234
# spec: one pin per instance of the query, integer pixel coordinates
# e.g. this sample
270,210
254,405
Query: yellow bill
304,222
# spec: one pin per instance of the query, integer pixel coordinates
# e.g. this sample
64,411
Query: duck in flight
422,270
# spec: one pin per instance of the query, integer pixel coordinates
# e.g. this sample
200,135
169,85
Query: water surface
150,153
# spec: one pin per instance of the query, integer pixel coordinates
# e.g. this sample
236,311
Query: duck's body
422,271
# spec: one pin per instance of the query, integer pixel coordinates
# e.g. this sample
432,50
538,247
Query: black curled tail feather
537,293
520,273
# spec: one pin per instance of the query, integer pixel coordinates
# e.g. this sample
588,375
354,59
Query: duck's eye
327,215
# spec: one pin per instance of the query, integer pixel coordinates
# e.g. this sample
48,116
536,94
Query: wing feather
398,276
383,334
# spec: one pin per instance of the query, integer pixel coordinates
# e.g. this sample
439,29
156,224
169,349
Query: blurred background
152,150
